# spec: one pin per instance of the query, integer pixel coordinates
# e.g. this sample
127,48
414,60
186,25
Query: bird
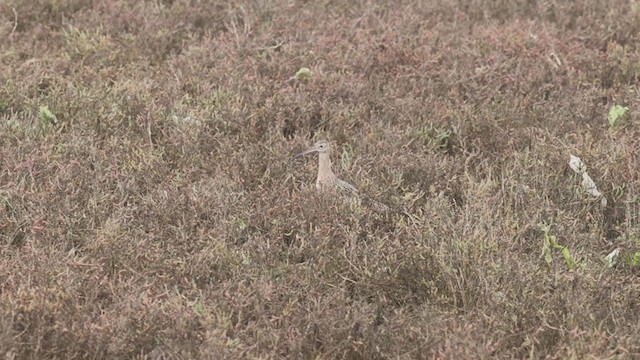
327,180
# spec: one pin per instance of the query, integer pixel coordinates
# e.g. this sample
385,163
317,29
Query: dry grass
155,214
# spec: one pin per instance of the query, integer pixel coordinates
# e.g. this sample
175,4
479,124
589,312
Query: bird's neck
324,168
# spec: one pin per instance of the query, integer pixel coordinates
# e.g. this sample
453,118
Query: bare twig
277,46
15,21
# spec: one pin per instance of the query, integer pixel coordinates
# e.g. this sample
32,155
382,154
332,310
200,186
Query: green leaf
303,74
616,113
567,257
546,244
46,116
547,256
551,244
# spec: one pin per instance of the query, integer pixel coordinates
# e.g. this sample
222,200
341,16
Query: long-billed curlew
326,179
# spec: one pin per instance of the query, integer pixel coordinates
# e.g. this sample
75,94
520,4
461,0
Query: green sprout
616,113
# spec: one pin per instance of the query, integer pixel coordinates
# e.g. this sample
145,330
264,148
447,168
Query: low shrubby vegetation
148,209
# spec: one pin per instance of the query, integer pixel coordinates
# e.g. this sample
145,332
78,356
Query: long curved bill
308,151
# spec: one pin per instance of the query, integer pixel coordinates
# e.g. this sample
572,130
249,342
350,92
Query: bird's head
320,147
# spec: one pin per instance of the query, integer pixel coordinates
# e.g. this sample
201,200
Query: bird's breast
324,183
321,185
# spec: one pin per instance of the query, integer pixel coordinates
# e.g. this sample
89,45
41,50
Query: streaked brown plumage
326,179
